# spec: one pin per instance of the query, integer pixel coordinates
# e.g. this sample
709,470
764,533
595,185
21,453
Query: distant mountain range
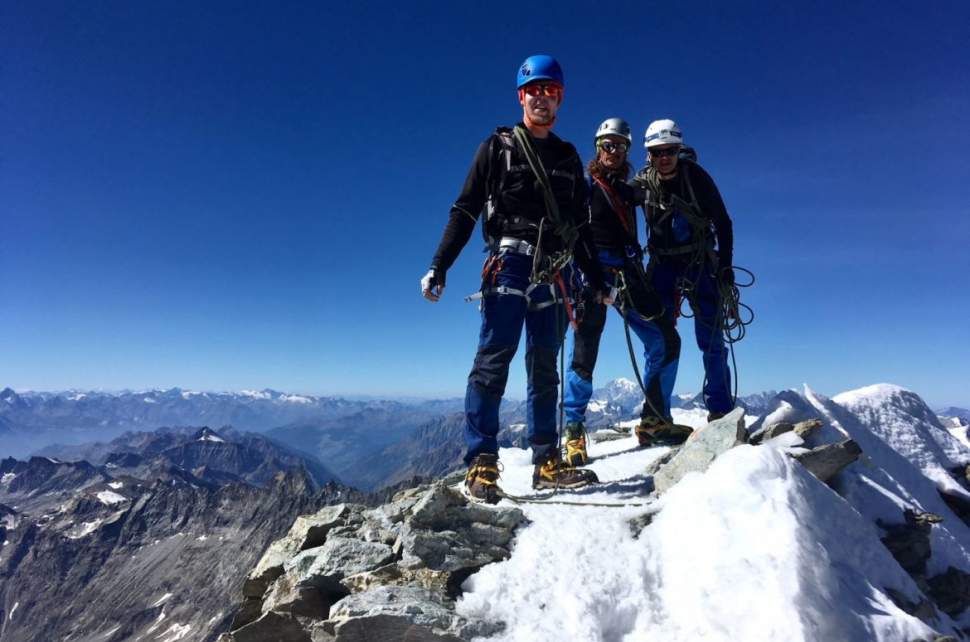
154,514
364,443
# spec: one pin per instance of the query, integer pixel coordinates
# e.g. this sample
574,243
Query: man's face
540,101
611,151
664,158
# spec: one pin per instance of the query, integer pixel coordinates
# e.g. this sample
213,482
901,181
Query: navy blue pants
661,345
503,316
668,277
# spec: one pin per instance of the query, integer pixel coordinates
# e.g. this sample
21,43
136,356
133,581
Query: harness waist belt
510,244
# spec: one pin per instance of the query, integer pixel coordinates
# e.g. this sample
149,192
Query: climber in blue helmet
531,184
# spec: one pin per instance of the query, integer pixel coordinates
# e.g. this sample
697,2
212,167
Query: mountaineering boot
555,473
654,431
576,454
714,416
481,480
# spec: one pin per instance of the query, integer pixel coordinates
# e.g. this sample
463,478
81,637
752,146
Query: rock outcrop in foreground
349,572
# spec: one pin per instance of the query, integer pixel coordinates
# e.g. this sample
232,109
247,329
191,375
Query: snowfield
754,549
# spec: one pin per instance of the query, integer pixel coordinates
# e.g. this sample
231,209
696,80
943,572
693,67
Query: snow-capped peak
207,434
873,395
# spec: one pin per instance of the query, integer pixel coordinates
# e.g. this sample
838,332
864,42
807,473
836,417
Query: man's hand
433,284
608,297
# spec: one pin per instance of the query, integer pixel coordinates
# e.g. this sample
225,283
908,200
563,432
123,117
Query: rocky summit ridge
429,566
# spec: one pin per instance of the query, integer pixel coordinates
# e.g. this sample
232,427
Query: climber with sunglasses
691,247
530,184
612,217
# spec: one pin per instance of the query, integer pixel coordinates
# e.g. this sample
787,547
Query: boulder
825,462
802,429
704,446
446,533
308,531
272,627
399,613
909,542
336,559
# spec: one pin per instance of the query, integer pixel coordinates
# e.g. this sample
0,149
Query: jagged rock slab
399,613
825,462
802,429
446,533
308,531
336,559
702,448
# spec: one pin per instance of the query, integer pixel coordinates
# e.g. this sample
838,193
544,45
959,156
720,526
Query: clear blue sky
245,195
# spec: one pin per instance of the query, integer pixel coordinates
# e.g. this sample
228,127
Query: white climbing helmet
663,132
615,127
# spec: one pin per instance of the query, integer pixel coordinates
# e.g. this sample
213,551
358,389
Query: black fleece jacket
708,200
521,203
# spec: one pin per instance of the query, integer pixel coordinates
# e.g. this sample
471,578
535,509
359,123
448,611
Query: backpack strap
500,147
565,229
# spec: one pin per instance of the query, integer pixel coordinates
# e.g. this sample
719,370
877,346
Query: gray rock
249,611
446,533
661,461
702,448
825,462
387,628
770,432
286,595
909,542
272,627
308,531
337,558
951,591
400,613
802,429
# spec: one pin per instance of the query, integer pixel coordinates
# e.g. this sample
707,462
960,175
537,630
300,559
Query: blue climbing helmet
540,67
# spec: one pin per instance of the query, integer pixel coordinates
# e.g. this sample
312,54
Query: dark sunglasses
543,89
610,146
660,153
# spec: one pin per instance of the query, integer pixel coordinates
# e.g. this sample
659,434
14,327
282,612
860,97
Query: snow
297,399
149,400
209,436
7,478
116,484
84,530
175,632
108,497
201,538
52,460
13,610
753,549
162,600
255,394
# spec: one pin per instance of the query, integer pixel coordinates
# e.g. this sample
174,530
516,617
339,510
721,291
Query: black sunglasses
659,153
610,146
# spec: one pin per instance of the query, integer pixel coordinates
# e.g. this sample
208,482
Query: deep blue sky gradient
244,195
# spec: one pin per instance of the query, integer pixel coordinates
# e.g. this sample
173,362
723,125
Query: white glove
433,284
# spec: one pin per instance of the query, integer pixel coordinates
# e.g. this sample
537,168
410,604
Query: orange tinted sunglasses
549,90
